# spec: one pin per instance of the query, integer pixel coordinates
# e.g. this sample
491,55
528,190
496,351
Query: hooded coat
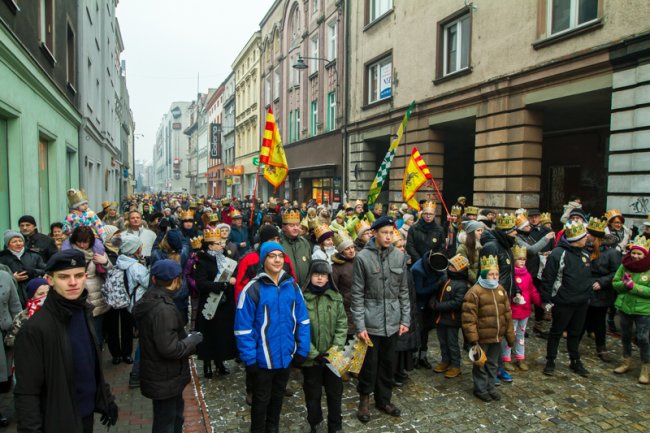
486,316
342,269
575,281
447,304
498,243
603,270
424,237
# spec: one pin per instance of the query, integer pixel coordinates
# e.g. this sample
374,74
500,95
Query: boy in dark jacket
165,346
447,308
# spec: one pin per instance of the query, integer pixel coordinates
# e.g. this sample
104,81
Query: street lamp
301,65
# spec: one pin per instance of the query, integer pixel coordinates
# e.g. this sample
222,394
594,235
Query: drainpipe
346,153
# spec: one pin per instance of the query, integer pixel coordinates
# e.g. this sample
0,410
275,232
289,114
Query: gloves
298,360
627,281
193,339
519,299
252,369
321,358
548,307
110,418
365,208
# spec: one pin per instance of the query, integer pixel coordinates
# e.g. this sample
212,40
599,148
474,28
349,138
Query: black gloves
193,339
365,208
110,418
298,360
252,369
321,358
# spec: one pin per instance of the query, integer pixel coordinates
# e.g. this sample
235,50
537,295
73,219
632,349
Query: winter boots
624,367
363,413
644,377
441,367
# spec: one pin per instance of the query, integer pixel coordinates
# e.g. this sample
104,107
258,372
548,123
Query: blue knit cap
267,247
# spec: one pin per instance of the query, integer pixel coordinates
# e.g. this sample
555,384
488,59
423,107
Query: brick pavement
604,402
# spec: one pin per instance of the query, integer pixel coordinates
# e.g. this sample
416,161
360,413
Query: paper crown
574,231
291,217
341,237
187,215
459,262
349,206
521,211
361,227
358,203
429,206
597,225
397,235
340,214
213,218
321,230
489,263
193,205
378,206
612,213
545,218
211,235
456,210
106,204
471,210
519,252
76,198
521,221
225,202
235,214
506,221
196,242
640,242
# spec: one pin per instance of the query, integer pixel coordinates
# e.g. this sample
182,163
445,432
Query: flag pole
257,176
440,196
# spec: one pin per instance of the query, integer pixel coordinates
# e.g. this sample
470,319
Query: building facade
171,150
554,107
213,138
39,116
228,130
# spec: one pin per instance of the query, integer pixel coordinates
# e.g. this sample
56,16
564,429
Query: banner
272,153
215,140
416,174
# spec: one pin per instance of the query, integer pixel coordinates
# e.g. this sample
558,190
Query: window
331,111
267,91
314,6
314,54
47,24
379,8
276,83
294,73
456,37
71,58
313,118
332,34
565,15
379,79
294,126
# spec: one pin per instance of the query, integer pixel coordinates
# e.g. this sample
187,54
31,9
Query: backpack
115,289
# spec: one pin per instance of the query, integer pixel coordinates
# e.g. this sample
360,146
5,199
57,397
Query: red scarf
35,304
636,266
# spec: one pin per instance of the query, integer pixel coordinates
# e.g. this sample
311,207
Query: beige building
519,103
246,68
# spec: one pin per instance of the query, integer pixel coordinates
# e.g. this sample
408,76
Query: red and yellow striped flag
415,175
272,153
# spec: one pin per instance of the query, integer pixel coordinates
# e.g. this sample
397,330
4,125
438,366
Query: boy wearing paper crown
487,319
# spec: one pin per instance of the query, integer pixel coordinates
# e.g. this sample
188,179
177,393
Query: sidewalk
136,413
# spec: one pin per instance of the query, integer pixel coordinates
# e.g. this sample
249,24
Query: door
5,218
43,183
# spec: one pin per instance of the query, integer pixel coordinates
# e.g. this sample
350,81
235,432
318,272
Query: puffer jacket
424,237
271,322
487,317
637,300
575,284
165,369
603,270
94,283
328,322
497,243
528,291
342,269
447,305
380,294
136,273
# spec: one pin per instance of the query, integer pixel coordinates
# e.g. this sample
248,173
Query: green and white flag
384,168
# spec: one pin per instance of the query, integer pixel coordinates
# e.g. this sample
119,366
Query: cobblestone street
604,402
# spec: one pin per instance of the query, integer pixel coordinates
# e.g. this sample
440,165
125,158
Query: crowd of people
280,286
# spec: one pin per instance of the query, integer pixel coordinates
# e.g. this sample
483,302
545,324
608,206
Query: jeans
168,415
484,377
449,347
520,341
378,369
642,328
268,394
315,378
572,319
596,322
118,326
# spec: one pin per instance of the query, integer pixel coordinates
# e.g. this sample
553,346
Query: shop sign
336,187
215,140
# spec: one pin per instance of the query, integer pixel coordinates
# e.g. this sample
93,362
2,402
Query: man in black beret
59,378
34,241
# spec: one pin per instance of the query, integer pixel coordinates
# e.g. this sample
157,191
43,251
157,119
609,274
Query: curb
197,418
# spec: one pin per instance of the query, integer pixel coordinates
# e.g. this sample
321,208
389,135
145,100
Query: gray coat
380,293
9,308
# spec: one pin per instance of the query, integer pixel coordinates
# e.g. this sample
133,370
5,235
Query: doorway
5,218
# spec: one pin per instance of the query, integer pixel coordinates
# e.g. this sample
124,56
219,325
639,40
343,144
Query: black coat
164,366
497,243
447,305
218,333
424,237
30,262
603,270
532,258
411,340
45,389
576,281
42,245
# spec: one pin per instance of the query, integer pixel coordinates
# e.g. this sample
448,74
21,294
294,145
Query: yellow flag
272,153
415,175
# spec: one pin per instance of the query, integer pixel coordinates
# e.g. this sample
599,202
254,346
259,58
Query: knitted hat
319,266
109,232
130,244
407,217
472,225
175,239
268,232
342,242
267,247
10,234
33,286
27,219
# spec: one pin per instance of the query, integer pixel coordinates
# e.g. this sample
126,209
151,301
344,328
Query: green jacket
637,300
473,270
351,224
299,251
328,322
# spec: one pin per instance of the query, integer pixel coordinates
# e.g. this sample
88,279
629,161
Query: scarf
488,284
318,290
221,260
636,266
35,304
18,254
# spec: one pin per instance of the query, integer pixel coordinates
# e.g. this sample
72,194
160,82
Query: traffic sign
256,161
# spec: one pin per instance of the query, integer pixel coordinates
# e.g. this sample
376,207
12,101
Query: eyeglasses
428,214
275,256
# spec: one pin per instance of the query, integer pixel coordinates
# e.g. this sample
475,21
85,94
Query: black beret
67,259
383,221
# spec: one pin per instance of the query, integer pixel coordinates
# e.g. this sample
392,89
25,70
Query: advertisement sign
336,189
235,170
236,180
385,80
215,140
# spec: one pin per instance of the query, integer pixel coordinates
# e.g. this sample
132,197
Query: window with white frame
332,34
455,49
565,15
313,118
331,111
379,8
314,7
313,62
380,79
267,91
276,83
294,73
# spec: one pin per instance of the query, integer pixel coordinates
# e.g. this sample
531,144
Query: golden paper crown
613,213
348,205
545,218
106,204
519,252
521,221
378,206
196,242
505,221
193,205
341,237
187,215
456,210
597,225
397,235
76,198
213,217
225,202
321,230
641,242
235,214
358,202
489,263
392,213
361,227
340,214
574,231
459,262
211,235
471,210
429,206
291,217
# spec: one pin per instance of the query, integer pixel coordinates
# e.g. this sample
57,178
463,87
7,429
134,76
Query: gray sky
167,42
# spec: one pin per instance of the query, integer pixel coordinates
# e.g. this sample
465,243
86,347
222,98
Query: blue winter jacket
426,281
271,322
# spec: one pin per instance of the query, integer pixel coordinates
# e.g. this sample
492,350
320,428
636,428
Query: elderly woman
83,239
230,249
25,265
